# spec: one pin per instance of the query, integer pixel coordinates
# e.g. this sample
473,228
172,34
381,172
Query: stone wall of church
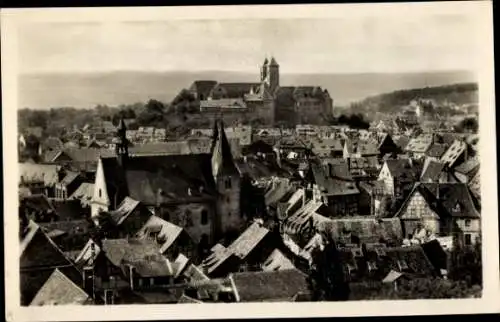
228,205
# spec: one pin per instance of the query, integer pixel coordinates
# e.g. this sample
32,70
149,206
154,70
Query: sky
333,45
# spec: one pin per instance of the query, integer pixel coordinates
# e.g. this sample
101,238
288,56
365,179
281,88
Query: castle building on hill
265,100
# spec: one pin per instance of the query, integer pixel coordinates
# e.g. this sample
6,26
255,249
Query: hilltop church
265,100
199,192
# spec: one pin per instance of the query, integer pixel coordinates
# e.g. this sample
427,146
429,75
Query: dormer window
457,208
402,265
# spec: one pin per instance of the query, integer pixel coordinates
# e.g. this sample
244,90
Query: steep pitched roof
402,168
151,179
332,186
233,90
436,150
432,171
143,255
167,233
277,261
84,193
281,285
420,144
60,290
222,159
451,155
445,199
125,208
202,87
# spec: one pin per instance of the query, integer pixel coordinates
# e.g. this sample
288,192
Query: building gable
100,198
417,208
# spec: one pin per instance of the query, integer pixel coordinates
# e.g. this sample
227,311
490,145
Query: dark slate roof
436,150
432,170
402,168
69,178
150,179
273,62
38,250
202,87
233,90
222,158
469,167
60,290
280,285
454,152
402,141
332,186
38,202
142,254
240,248
445,199
278,191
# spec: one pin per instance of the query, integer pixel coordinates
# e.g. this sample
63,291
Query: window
228,183
152,281
204,217
100,193
467,222
468,239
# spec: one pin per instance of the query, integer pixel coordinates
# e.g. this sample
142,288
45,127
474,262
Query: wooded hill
459,94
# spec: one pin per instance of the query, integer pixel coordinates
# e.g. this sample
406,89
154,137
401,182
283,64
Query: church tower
263,70
273,75
228,185
121,147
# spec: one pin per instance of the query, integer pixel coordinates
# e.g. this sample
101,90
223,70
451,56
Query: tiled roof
445,199
248,240
142,254
125,208
468,167
310,213
278,192
420,144
232,90
69,178
222,158
38,202
84,193
150,179
436,150
167,232
453,153
87,256
432,171
60,290
280,285
366,229
203,87
402,169
240,248
332,186
46,173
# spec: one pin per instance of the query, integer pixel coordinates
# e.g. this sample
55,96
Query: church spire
121,147
222,158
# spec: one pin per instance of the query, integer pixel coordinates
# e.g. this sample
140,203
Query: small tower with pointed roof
272,75
121,147
228,184
263,70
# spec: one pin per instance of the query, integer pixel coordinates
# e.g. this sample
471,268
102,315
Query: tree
327,278
468,124
185,102
153,113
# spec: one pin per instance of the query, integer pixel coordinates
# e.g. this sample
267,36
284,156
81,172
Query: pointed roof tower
273,62
222,158
266,61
